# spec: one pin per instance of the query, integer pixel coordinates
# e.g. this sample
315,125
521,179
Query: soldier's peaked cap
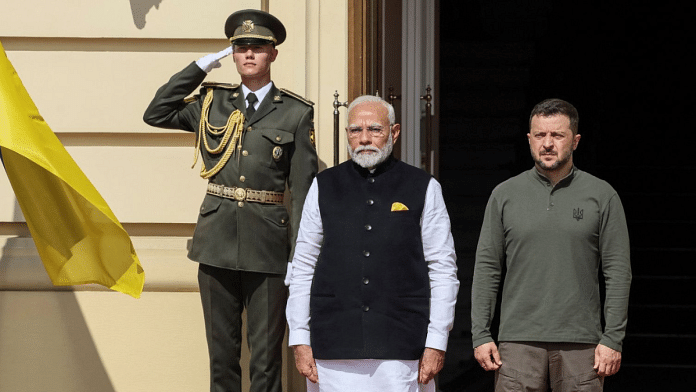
254,27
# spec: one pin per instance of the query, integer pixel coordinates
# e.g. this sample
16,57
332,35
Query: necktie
251,98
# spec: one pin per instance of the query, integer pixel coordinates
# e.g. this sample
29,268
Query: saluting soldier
253,139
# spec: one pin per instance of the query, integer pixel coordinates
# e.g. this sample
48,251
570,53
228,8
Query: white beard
369,161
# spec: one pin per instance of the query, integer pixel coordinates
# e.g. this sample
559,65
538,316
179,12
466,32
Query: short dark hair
554,106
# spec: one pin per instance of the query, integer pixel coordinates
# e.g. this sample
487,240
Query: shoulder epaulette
297,97
220,85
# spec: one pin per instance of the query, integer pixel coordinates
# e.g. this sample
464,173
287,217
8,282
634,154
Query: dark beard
561,161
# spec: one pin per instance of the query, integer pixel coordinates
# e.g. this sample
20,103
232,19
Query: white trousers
368,375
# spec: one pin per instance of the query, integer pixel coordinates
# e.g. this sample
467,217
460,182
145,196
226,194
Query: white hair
374,98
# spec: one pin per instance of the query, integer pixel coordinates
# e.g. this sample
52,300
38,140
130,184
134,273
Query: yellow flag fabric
76,234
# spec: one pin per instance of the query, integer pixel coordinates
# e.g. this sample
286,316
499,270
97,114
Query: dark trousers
539,367
224,294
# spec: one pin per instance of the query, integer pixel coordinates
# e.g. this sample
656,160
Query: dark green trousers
224,295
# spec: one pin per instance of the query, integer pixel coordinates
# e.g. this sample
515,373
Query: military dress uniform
244,234
276,147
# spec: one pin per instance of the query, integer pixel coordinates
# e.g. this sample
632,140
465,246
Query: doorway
394,54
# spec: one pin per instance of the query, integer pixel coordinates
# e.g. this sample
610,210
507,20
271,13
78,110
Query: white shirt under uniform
368,375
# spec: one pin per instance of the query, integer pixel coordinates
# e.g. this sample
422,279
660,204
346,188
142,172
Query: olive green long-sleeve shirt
552,241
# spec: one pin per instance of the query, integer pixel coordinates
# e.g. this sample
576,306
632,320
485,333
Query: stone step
479,182
658,206
665,234
647,179
490,53
484,76
670,261
653,378
663,290
662,319
460,156
660,350
483,102
455,130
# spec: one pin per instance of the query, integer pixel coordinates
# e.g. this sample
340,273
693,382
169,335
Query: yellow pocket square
396,206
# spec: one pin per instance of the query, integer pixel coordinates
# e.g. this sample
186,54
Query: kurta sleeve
301,270
439,253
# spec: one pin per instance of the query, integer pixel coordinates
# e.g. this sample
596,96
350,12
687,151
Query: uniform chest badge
277,153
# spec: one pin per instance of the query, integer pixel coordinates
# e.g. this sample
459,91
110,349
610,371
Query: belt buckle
240,194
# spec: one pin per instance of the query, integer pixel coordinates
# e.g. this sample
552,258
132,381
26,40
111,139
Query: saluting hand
210,61
304,361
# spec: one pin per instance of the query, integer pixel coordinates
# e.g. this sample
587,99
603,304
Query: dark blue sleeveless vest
370,297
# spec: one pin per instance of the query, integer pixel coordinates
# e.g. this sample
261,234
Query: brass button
368,227
240,204
249,129
370,202
282,221
366,253
278,138
366,280
242,178
245,153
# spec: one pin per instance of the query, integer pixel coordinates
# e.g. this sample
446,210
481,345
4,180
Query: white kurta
375,375
368,375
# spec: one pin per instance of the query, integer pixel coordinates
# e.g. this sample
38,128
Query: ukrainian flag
76,234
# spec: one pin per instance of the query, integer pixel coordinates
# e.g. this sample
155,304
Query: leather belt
245,194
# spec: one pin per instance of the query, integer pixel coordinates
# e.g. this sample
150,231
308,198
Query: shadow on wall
140,8
46,345
45,342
